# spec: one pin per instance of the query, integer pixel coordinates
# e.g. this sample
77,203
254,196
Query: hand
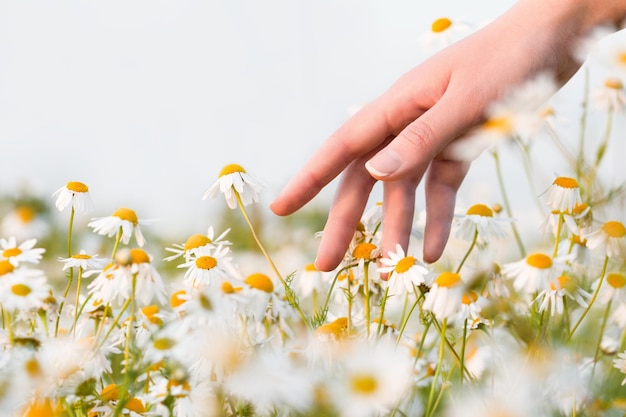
402,135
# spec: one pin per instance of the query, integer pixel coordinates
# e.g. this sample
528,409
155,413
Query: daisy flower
24,291
312,281
552,297
620,363
609,97
233,181
363,252
24,223
533,273
614,290
195,243
25,252
443,32
261,294
563,195
76,194
479,218
85,262
208,267
445,296
610,238
405,271
124,220
575,220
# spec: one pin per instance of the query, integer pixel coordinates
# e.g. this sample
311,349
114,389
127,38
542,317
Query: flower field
502,325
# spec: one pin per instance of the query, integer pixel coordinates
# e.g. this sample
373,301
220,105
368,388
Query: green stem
463,346
288,291
507,204
8,325
118,238
78,280
383,302
115,322
557,236
605,318
593,297
431,395
469,250
131,319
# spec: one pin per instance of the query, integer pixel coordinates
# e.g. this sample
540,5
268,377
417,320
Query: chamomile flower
16,254
405,271
614,290
533,273
234,182
575,220
552,297
124,220
208,268
24,223
610,96
361,253
24,291
261,294
76,194
609,238
480,219
312,281
445,296
82,260
620,363
443,32
195,243
563,195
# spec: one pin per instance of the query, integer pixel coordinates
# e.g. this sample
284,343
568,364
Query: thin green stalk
383,302
8,325
131,319
507,204
114,324
605,318
431,395
593,297
463,346
557,236
469,250
406,320
118,238
78,281
288,291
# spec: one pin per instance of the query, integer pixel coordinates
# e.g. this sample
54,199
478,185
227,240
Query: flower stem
383,302
557,236
431,395
469,250
593,297
78,280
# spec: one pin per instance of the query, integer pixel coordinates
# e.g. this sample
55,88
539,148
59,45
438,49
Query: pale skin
400,138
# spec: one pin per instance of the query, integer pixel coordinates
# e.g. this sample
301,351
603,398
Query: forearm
582,15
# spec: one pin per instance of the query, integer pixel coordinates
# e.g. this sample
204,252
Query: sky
146,101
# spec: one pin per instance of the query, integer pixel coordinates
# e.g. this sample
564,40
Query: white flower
197,242
610,238
479,218
208,267
85,262
312,280
551,298
533,273
24,223
22,253
234,181
609,97
445,296
24,290
123,219
563,195
443,32
76,194
405,271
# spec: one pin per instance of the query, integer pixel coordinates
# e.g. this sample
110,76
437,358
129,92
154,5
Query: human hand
403,134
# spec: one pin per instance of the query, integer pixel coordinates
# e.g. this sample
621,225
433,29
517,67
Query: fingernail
384,163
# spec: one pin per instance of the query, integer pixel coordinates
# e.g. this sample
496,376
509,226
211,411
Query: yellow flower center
539,261
404,264
310,268
260,282
614,229
363,384
346,276
32,368
227,288
110,393
21,290
448,279
126,214
497,208
470,297
441,24
564,281
163,343
196,241
613,83
41,408
6,267
616,280
139,256
135,405
566,182
499,124
480,210
8,253
26,214
77,187
231,169
206,262
150,310
363,250
176,300
579,208
81,256
547,112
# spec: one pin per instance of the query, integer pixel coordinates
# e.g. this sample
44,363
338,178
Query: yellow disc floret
139,256
363,250
11,252
206,262
441,24
6,267
231,169
566,182
404,264
614,83
260,282
616,280
126,214
614,229
539,261
196,241
81,256
480,210
21,290
363,384
77,187
448,279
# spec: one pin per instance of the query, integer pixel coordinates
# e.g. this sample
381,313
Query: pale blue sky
145,101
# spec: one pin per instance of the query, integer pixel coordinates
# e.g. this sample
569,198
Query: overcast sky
145,101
